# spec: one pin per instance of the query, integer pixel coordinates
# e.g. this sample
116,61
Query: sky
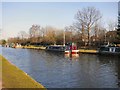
20,16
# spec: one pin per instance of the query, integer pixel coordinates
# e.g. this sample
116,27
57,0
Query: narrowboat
59,48
114,50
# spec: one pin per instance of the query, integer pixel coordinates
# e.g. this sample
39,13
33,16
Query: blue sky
19,16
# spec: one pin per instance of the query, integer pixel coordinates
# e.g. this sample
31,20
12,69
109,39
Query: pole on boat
64,37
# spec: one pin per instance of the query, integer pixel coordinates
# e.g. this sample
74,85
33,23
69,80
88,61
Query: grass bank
88,51
34,47
13,77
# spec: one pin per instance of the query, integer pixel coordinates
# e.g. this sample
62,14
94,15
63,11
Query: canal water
55,70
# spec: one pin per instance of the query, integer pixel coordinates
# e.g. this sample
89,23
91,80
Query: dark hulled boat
114,50
60,48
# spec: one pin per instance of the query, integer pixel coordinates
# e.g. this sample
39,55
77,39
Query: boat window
56,47
112,49
104,49
117,50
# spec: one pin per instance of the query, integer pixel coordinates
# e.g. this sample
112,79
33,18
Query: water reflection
114,62
72,56
57,70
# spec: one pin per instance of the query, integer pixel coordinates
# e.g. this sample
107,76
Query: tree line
87,30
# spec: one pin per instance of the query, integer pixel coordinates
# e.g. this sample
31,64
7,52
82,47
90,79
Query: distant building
111,37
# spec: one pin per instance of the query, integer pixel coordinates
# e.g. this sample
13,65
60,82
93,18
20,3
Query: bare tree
34,32
42,32
87,18
112,34
50,35
112,25
97,29
22,35
0,33
70,31
60,37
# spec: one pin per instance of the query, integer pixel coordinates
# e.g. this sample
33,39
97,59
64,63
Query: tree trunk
88,36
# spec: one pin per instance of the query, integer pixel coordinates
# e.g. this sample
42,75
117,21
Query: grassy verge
34,47
0,68
88,51
13,77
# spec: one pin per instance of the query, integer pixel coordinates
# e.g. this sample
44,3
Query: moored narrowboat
56,48
114,50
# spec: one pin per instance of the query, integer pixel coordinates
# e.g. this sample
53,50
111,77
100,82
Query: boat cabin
55,48
109,50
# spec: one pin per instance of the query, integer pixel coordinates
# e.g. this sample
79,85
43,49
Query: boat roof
56,46
109,46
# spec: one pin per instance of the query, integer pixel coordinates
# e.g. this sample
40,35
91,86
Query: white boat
18,45
72,49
